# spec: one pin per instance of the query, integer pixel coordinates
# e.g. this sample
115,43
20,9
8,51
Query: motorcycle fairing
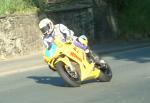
51,52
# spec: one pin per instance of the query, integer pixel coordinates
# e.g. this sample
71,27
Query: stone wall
19,35
79,19
95,18
105,21
56,1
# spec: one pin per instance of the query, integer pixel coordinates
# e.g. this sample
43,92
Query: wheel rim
72,74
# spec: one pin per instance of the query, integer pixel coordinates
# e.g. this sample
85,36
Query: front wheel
71,77
106,73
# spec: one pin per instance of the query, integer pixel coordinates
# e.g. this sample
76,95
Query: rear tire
75,82
51,68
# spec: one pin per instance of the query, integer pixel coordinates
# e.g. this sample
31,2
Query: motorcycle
72,64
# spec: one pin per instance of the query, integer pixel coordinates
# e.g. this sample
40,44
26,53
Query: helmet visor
45,29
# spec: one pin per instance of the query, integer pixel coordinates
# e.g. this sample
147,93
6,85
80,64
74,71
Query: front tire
106,74
75,82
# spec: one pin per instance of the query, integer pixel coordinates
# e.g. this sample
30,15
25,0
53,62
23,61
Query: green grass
27,6
135,19
17,6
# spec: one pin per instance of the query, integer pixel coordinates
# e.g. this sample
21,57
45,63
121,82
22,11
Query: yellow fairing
88,71
65,60
68,53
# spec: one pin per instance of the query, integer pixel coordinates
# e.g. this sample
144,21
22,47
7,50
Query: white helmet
46,26
83,40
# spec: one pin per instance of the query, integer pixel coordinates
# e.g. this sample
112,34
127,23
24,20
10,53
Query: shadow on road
55,81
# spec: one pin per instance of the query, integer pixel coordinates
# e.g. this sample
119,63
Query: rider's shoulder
61,26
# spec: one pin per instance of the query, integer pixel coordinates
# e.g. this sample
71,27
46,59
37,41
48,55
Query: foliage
25,6
134,18
20,6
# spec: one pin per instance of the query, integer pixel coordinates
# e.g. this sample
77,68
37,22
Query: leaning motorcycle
73,65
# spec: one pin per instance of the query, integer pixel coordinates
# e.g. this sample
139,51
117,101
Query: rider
50,31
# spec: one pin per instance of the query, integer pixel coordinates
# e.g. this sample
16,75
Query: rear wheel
51,68
71,77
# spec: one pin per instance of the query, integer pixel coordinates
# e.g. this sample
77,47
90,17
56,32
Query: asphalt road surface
130,83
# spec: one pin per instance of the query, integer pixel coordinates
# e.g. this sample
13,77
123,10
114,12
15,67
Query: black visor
45,29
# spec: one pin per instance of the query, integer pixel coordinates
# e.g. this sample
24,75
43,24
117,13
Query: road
130,83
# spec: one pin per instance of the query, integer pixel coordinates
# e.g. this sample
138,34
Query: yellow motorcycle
73,65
